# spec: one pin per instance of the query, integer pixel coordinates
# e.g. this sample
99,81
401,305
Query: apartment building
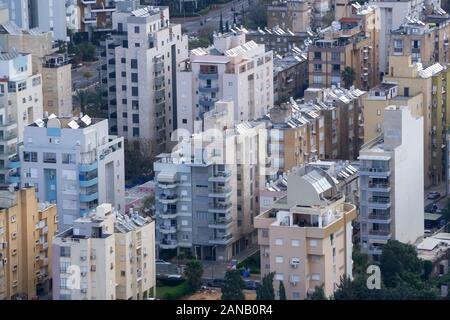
26,229
292,15
142,56
350,42
306,237
49,16
73,18
74,163
57,85
391,202
21,102
96,15
279,40
233,69
105,256
426,40
290,76
19,13
424,91
393,14
207,188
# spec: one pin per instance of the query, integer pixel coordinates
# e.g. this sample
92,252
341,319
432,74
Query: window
134,63
123,74
134,91
135,118
415,44
317,67
317,79
135,104
124,101
279,242
134,77
49,157
65,252
136,29
124,115
137,44
184,121
265,233
317,55
135,132
398,46
29,156
279,259
68,158
335,56
279,276
315,276
406,92
313,243
295,243
123,60
336,67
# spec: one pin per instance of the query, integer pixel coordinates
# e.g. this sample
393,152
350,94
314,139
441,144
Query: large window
29,156
68,158
134,63
49,157
65,252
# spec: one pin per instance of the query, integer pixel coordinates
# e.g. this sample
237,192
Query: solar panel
40,123
73,124
86,120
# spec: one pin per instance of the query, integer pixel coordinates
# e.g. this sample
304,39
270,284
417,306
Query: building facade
292,15
142,56
74,163
26,230
391,201
306,237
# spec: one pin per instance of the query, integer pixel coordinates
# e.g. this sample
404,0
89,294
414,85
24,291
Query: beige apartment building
306,237
294,16
350,42
105,256
26,229
423,90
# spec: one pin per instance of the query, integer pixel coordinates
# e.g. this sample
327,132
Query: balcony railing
208,89
221,239
168,198
220,208
168,244
208,76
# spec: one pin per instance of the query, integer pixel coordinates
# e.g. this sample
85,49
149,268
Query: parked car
432,195
251,284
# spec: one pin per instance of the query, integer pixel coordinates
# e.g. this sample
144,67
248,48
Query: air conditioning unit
295,262
83,258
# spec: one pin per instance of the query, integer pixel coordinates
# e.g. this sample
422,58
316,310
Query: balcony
88,197
208,89
168,244
159,66
220,192
379,203
225,239
168,185
89,20
14,178
379,218
221,223
160,93
379,187
88,167
171,214
87,2
208,103
380,234
14,163
159,80
43,231
208,76
222,176
220,208
43,246
103,9
86,182
167,229
168,199
374,172
374,250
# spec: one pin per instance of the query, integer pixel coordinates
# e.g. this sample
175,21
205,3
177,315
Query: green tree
147,208
360,260
81,99
318,293
282,291
193,273
233,285
139,158
266,291
348,76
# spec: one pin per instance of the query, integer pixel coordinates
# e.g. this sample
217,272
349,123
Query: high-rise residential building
49,16
205,203
294,15
57,85
74,163
306,236
21,101
393,13
141,61
424,91
73,17
233,69
26,229
96,15
425,39
391,201
349,43
105,256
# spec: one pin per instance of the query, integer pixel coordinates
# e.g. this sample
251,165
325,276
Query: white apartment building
49,15
20,105
105,256
231,70
206,203
19,13
392,183
74,163
393,14
142,55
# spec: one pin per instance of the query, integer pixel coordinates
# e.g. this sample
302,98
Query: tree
81,98
227,26
360,260
193,273
282,291
207,32
257,17
318,293
62,46
233,285
266,291
147,208
139,157
348,76
221,23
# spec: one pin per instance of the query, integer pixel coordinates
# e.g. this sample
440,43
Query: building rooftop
435,247
148,11
52,121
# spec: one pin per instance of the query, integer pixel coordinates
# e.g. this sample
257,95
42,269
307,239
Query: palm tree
81,98
348,76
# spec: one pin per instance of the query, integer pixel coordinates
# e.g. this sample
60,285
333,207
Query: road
442,202
79,81
192,25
